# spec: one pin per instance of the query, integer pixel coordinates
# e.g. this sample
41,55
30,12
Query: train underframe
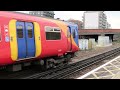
45,63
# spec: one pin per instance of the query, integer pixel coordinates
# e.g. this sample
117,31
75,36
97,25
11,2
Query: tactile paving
109,71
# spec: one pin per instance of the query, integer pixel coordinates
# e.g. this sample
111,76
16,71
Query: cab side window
68,34
74,35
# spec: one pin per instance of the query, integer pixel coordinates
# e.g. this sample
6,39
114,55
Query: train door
74,33
20,29
30,40
76,36
70,39
73,36
25,40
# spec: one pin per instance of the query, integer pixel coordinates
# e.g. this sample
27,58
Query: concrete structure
98,31
103,41
87,44
49,14
114,34
83,44
95,20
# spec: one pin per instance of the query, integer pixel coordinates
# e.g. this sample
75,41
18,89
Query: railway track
64,71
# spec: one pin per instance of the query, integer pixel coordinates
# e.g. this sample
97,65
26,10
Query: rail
67,70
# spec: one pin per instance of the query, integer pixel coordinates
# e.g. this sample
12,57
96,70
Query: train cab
73,37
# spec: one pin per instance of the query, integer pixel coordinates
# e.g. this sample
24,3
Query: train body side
52,47
4,42
16,48
48,47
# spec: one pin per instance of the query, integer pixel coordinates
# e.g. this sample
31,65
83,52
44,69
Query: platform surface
109,70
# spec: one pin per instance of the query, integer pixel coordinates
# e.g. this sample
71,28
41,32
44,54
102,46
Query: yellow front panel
13,40
37,39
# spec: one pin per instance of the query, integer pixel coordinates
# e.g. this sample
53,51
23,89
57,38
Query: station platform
109,70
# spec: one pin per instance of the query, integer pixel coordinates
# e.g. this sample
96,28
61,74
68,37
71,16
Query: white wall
103,41
83,44
91,20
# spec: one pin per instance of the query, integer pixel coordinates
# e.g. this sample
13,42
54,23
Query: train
27,39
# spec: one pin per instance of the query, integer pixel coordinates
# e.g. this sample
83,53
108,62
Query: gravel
92,52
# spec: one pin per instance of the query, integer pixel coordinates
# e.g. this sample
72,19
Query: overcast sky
113,17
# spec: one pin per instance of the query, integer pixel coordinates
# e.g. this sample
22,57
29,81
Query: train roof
20,15
16,15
